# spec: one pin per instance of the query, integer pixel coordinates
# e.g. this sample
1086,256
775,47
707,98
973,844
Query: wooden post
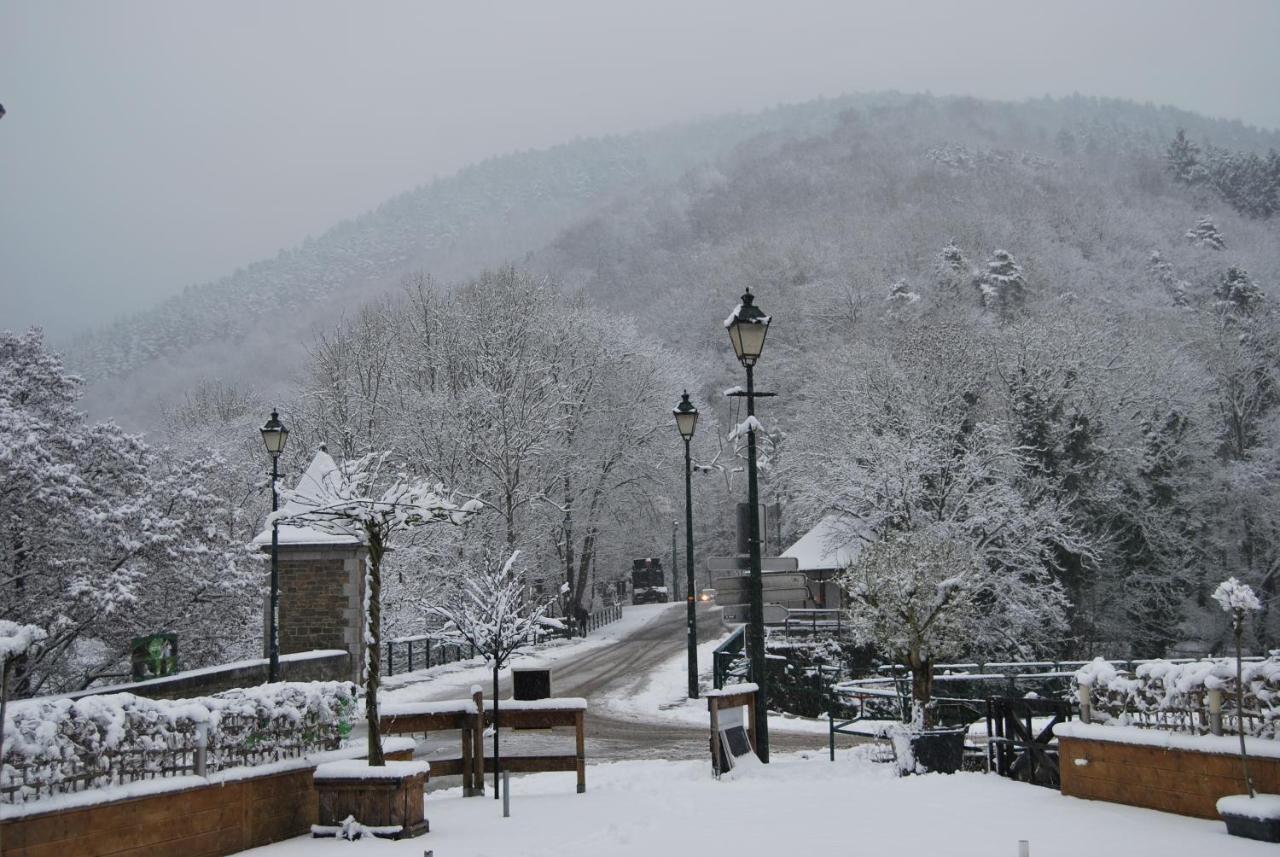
468,765
716,762
578,724
1215,712
1085,696
751,723
477,742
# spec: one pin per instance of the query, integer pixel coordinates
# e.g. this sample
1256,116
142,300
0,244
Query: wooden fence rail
463,716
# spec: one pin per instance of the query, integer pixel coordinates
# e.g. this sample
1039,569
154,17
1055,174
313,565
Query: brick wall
321,599
207,821
312,602
1179,781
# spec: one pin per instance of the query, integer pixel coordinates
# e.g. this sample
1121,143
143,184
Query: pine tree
1002,286
1237,292
1162,272
1205,234
900,295
1183,160
952,271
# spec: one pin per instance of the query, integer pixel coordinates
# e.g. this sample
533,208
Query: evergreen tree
1205,234
1183,160
1002,286
1155,541
952,271
1236,292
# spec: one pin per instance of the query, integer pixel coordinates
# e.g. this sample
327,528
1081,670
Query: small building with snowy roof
321,575
827,550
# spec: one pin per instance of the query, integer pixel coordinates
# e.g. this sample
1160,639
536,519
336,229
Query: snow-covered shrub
1166,695
56,744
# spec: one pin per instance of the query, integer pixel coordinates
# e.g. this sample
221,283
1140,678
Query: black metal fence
725,654
406,654
603,616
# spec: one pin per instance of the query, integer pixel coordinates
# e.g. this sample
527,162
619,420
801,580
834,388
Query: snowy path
632,674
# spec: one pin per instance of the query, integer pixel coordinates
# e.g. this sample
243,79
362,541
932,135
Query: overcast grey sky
152,145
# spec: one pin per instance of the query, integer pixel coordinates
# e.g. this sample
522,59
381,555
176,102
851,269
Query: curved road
612,671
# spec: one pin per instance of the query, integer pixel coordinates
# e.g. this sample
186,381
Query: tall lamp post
274,435
747,327
686,421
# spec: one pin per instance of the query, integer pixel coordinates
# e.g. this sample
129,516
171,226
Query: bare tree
490,610
359,498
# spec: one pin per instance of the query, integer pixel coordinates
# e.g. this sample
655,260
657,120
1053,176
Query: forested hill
1077,189
493,212
1045,326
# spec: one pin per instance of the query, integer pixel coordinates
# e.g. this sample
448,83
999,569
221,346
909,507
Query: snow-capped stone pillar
321,582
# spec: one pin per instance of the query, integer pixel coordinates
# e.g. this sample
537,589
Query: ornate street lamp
747,327
274,435
686,421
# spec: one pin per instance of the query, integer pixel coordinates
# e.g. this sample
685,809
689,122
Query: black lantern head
274,434
747,327
686,417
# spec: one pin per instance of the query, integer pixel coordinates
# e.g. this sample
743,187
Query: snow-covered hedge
57,745
1166,695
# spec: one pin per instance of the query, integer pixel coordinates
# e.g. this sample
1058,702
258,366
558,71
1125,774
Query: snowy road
608,673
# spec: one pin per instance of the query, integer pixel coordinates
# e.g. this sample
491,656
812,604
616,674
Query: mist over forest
1047,327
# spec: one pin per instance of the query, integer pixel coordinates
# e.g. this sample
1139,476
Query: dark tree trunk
922,688
497,759
373,652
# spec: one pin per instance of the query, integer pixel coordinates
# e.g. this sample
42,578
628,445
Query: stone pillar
322,600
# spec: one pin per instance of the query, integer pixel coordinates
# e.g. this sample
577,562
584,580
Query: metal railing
603,616
420,652
812,621
725,654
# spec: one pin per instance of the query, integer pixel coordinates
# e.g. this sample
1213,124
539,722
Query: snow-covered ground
801,802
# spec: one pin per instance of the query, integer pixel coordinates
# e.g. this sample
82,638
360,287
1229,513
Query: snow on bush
1236,597
55,744
16,639
1174,695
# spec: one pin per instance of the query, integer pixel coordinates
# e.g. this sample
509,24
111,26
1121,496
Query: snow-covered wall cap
531,665
359,769
1224,745
734,689
409,709
564,703
311,486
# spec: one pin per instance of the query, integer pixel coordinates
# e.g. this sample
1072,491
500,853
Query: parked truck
648,583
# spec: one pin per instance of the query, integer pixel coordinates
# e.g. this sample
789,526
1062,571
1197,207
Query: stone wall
1186,782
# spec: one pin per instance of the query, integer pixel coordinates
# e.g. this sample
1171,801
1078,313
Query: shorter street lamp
274,435
686,421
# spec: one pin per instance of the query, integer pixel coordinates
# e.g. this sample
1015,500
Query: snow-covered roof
835,542
309,487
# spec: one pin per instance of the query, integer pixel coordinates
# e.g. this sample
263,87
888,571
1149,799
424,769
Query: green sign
154,656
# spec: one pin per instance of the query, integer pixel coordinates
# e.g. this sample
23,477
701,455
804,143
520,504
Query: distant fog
149,145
